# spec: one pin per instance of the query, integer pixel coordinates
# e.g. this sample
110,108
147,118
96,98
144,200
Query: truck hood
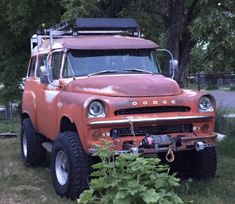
131,85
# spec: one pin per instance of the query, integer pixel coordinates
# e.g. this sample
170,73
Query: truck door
47,112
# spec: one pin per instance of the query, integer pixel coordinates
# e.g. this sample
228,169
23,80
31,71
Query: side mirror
173,63
173,67
44,75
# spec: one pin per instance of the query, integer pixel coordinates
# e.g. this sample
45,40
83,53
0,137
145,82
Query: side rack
87,26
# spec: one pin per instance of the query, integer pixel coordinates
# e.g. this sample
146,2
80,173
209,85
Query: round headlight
205,104
96,109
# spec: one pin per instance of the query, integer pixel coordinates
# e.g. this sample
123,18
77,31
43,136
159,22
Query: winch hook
170,157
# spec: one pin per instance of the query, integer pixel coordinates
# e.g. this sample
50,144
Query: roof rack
87,26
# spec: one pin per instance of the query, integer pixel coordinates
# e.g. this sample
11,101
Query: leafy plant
129,178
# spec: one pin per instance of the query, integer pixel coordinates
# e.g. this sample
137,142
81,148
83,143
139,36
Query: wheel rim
25,148
61,167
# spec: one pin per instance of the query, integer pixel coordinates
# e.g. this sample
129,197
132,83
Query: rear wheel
70,166
32,151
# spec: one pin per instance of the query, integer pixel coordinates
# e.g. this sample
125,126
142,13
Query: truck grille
165,129
158,109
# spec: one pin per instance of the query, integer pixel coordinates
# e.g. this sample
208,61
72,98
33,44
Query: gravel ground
224,99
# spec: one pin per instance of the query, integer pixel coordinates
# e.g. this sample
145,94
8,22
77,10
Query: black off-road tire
70,176
205,163
197,165
32,151
183,164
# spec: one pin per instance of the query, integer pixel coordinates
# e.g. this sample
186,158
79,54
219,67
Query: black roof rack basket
88,26
106,24
96,26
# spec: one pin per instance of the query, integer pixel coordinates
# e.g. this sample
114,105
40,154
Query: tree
177,24
19,19
182,26
214,31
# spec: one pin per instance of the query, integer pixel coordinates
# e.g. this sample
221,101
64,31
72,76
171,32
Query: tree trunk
179,40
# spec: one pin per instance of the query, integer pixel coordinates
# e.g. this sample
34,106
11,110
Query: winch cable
132,130
170,157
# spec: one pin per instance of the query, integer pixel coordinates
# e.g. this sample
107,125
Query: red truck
93,79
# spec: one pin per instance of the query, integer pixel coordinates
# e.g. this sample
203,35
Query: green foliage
214,32
19,19
205,28
128,179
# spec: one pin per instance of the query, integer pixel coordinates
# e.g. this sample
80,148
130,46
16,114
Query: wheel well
67,125
24,116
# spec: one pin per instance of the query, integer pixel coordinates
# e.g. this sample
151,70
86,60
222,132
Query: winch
161,143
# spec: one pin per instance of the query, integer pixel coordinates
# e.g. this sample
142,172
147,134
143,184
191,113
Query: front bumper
187,139
176,143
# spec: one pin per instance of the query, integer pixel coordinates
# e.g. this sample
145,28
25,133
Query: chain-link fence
211,81
10,110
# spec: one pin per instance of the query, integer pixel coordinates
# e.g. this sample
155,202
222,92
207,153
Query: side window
32,66
56,61
41,62
67,71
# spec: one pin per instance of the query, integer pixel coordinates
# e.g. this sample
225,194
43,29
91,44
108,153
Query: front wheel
69,166
205,163
197,165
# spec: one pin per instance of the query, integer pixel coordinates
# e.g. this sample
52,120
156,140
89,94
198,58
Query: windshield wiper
103,72
138,70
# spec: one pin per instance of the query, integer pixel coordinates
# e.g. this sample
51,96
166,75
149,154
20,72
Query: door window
56,61
41,62
32,66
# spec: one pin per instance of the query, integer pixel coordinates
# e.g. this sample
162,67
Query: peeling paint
34,103
190,92
59,104
50,95
54,86
106,90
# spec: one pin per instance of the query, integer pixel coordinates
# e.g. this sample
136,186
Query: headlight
205,104
96,109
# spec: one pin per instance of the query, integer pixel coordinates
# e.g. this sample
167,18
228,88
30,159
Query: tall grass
12,125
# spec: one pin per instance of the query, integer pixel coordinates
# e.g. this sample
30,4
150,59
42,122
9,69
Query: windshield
93,62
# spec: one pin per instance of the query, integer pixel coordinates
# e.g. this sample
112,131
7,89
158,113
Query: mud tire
77,166
205,163
32,152
197,165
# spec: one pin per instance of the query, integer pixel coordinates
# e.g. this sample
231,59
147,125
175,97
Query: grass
20,184
10,126
219,190
23,185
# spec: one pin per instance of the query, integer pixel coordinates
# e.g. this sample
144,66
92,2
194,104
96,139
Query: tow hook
134,150
199,146
170,157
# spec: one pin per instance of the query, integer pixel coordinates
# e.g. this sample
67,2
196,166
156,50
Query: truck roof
98,42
